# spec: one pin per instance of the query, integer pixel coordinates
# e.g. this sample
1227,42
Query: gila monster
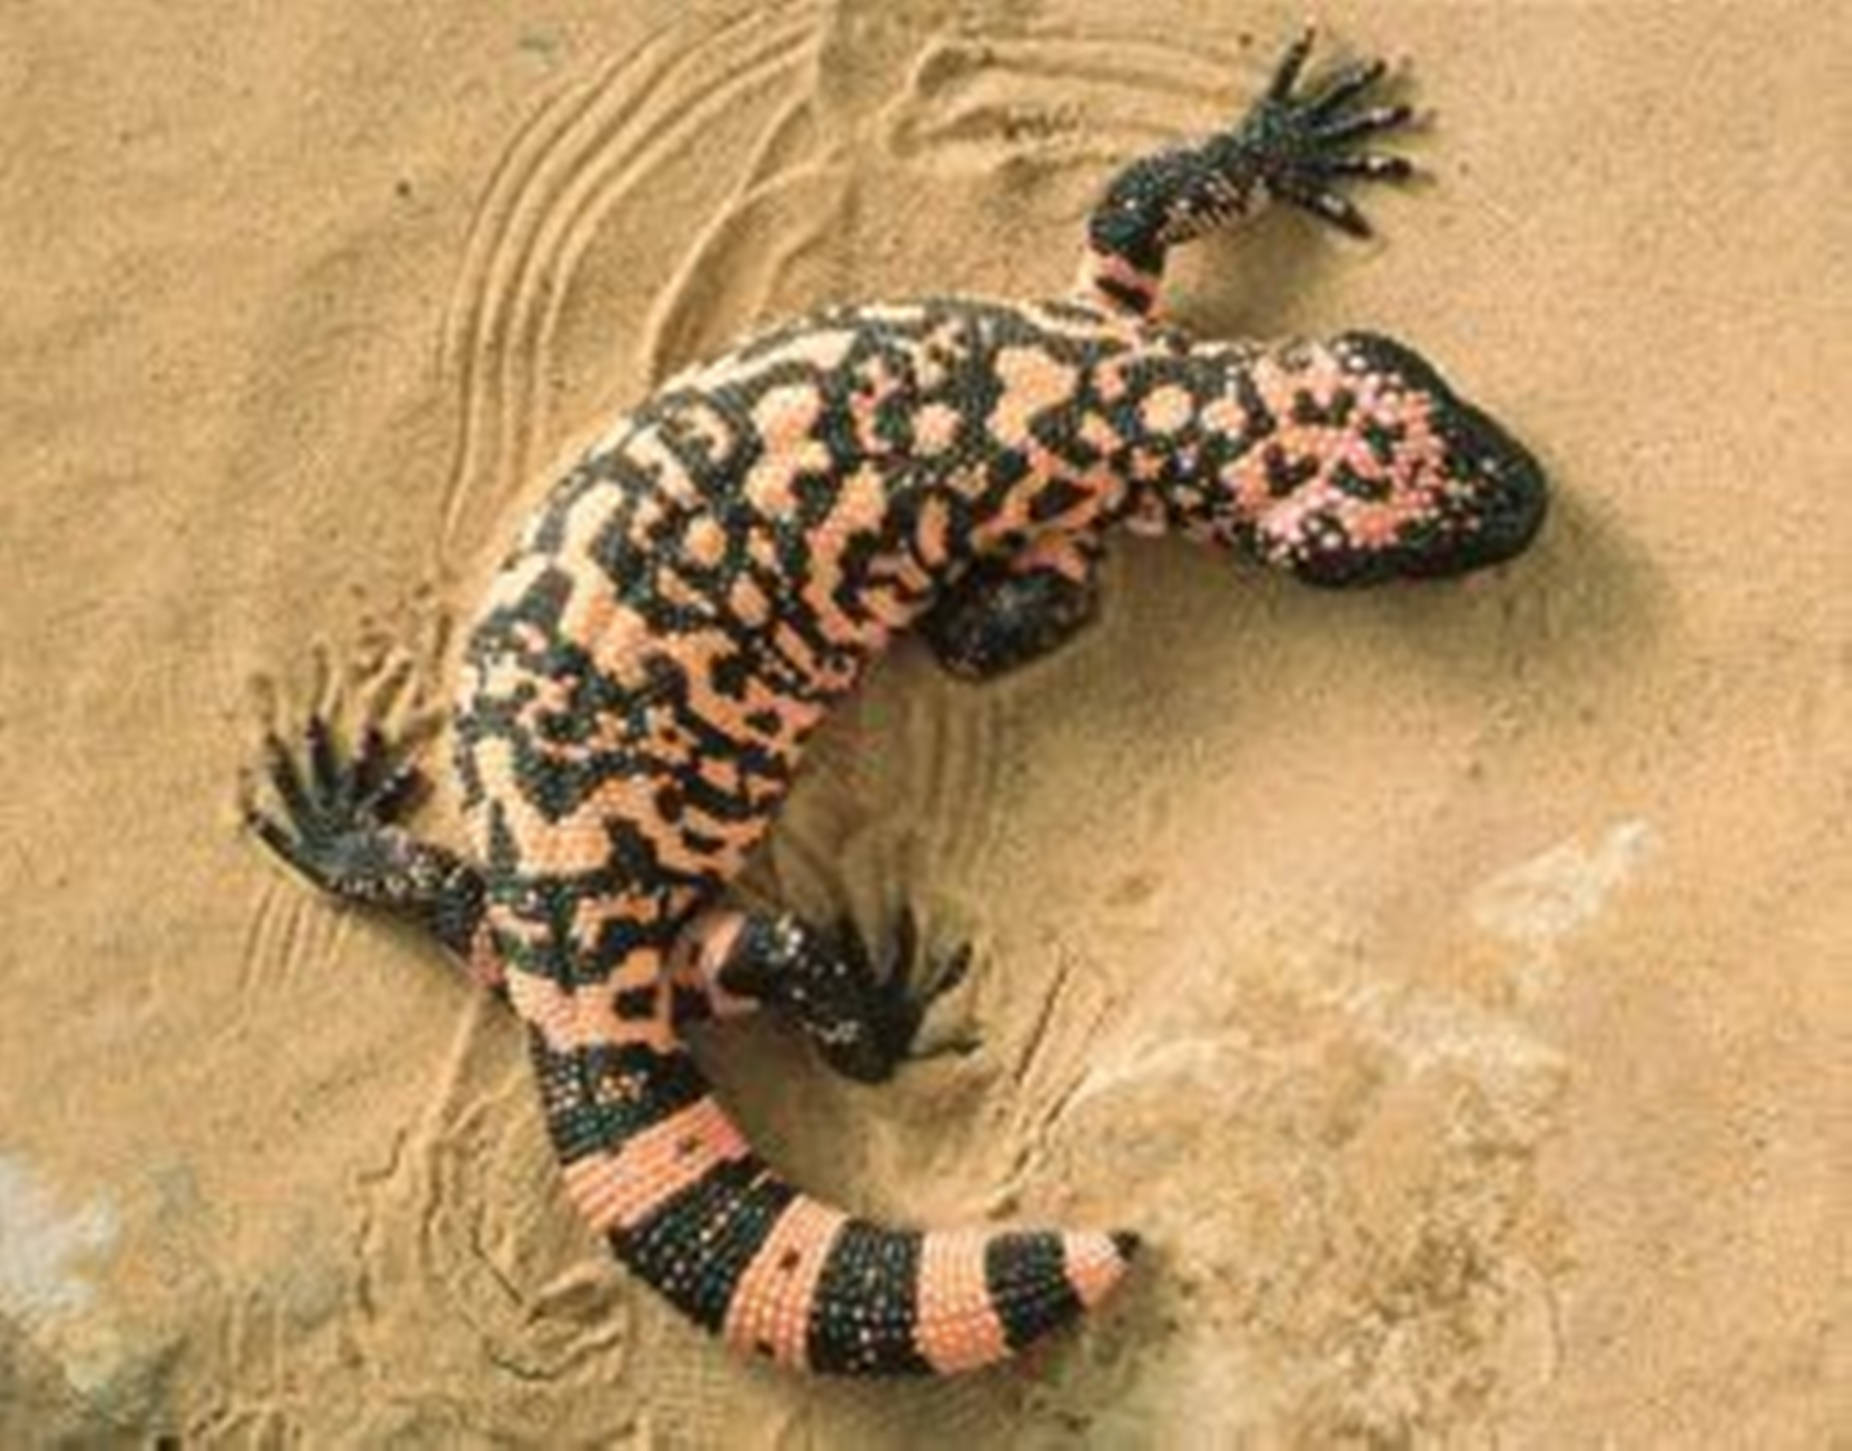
723,564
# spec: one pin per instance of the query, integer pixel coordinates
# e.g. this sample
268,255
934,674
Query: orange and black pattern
721,567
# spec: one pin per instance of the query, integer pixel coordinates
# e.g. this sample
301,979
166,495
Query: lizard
722,565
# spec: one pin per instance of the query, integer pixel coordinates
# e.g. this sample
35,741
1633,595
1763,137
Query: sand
1450,983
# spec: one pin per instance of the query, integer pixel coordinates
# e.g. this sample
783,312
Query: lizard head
1375,470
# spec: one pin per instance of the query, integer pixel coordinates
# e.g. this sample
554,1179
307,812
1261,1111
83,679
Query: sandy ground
1451,983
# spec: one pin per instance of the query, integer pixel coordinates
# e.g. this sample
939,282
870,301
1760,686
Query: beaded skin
720,568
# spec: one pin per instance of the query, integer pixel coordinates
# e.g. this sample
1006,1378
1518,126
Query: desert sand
1450,982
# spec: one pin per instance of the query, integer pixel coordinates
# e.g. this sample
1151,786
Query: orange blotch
1166,409
705,541
613,633
935,429
1092,1266
619,1191
748,601
771,1305
957,1328
762,549
1033,382
784,419
1225,417
770,484
1372,525
1099,434
1059,552
858,507
724,776
545,848
768,487
932,532
824,350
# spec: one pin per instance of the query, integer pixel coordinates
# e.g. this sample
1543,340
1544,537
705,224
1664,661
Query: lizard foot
337,824
1300,141
904,991
1002,615
339,829
864,1014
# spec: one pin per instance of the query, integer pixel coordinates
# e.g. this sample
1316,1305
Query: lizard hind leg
864,1015
653,1161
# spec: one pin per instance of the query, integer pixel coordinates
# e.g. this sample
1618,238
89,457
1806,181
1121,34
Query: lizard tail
655,1165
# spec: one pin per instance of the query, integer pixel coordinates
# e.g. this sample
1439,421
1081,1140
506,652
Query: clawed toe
1300,137
916,976
330,806
1342,87
949,971
896,991
920,979
1365,123
338,827
1286,72
372,787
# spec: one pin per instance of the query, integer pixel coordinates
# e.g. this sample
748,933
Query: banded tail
655,1165
649,1156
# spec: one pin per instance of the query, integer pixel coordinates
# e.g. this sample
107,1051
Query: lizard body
721,567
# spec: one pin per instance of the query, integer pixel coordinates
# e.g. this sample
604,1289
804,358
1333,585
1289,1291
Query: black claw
1330,207
1364,123
371,763
1295,143
370,789
903,949
1343,87
952,969
287,779
864,1022
388,801
337,829
324,764
1286,73
1378,168
273,835
852,946
331,810
903,978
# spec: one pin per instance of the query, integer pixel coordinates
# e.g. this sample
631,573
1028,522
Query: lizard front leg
1004,612
1291,145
